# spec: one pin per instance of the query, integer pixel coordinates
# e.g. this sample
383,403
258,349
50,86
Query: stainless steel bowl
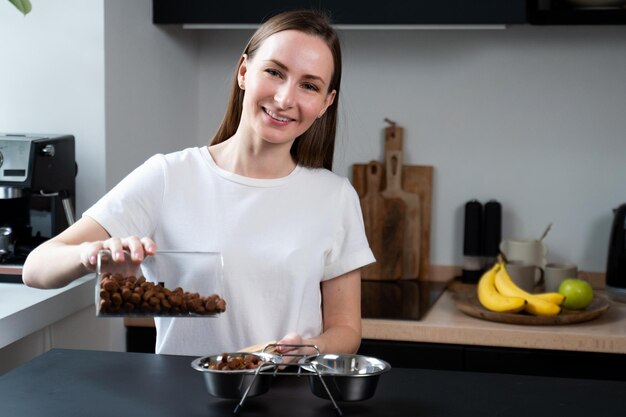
348,377
233,383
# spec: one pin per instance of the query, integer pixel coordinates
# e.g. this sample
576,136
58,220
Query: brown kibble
126,293
235,362
148,294
135,298
116,299
104,305
110,285
135,295
175,300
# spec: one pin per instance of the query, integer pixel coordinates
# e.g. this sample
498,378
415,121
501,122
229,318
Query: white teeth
277,117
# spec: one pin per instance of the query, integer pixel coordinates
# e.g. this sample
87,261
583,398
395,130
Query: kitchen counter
444,323
24,310
91,383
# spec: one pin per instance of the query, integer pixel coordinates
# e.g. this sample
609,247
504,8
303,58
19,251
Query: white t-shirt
279,239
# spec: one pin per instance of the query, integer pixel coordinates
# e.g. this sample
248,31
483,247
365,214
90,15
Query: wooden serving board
417,180
472,307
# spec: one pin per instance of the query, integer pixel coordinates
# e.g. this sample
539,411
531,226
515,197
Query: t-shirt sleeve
131,208
350,248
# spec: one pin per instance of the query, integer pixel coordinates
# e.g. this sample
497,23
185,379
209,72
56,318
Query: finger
89,254
289,339
115,246
135,247
148,245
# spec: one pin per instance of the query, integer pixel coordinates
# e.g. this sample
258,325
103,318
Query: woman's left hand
294,353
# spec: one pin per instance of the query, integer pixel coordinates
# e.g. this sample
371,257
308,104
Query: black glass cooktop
399,299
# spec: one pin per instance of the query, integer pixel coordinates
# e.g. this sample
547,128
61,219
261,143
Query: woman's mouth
276,117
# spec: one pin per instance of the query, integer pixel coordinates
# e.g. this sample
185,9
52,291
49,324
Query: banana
553,297
494,301
534,305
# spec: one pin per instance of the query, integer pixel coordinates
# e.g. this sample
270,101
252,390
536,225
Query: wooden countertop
444,323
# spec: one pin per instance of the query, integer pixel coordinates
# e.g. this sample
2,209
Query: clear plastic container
167,284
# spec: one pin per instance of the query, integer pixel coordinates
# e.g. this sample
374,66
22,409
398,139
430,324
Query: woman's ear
328,101
241,72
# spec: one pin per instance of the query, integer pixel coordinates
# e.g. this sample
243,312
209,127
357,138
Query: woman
262,194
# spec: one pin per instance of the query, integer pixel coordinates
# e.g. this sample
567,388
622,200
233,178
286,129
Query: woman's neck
253,159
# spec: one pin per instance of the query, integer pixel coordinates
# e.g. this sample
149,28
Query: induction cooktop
399,299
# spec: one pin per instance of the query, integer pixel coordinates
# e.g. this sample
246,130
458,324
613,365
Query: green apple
578,293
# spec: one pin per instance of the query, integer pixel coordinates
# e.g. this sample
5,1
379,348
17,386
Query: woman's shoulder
329,180
184,157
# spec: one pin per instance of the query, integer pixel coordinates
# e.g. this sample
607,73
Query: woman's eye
311,87
272,72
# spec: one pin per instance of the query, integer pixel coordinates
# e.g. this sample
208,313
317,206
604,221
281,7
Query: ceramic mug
555,273
525,275
531,251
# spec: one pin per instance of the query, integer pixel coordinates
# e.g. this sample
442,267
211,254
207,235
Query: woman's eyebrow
307,76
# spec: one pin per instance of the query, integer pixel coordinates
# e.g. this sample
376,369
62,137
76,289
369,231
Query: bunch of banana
496,289
491,299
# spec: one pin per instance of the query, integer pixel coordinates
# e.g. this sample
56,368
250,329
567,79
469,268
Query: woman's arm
57,262
72,254
341,309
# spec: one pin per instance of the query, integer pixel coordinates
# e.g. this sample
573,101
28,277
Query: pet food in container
168,283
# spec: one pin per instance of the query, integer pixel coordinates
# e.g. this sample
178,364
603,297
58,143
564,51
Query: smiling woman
23,6
262,194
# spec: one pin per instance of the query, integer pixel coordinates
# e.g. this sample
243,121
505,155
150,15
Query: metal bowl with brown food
229,375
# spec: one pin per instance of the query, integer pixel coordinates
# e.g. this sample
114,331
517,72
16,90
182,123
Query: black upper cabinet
564,12
345,12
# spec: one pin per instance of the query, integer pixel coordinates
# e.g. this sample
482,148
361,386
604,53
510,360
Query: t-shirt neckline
240,179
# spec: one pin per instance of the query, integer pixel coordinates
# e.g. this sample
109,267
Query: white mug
527,276
531,251
555,273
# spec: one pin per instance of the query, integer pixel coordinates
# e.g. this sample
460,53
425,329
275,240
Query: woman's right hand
138,248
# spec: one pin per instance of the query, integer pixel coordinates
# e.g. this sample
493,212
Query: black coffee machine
616,262
37,186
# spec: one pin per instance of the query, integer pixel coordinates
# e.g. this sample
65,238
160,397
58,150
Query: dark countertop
91,383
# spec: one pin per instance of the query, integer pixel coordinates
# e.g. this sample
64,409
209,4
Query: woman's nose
285,95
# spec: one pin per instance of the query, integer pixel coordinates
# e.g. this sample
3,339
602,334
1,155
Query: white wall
530,116
52,80
150,96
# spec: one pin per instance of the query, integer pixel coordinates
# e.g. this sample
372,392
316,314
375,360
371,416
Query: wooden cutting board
411,243
384,219
415,180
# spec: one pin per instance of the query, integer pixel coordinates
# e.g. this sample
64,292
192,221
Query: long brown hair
315,147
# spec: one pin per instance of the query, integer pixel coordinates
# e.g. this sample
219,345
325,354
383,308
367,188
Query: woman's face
286,86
